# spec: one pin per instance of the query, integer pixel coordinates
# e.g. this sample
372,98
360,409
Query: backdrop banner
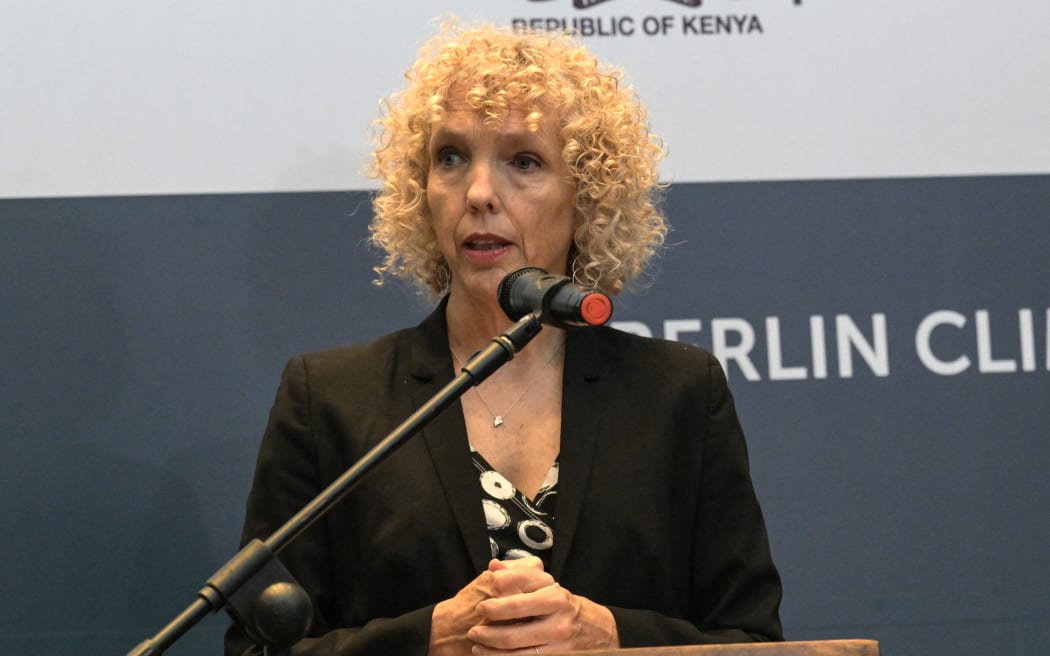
887,342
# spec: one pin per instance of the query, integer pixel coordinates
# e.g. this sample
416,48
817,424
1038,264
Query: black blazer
656,517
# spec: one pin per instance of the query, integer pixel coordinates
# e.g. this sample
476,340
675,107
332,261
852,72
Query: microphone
557,300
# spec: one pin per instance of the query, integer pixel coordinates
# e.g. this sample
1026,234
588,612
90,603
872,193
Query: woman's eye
447,157
526,162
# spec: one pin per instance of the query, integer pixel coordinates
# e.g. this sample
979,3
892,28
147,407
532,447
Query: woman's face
500,198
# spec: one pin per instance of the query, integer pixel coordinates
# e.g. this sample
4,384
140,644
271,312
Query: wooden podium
812,648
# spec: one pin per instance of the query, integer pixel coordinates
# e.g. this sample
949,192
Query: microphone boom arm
258,558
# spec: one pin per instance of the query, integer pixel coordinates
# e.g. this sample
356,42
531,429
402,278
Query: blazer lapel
446,437
581,413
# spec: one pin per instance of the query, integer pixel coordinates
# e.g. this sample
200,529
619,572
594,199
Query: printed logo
587,4
691,24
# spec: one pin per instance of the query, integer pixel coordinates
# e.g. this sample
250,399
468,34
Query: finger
547,600
517,581
531,649
527,562
503,637
556,632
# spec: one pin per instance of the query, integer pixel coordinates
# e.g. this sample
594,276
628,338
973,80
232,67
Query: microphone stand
255,588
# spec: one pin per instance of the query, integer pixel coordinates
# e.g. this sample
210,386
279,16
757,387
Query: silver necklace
497,419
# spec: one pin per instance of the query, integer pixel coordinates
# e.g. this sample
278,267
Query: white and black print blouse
518,526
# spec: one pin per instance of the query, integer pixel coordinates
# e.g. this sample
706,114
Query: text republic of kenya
666,25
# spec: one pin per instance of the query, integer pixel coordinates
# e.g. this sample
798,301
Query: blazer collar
446,436
581,412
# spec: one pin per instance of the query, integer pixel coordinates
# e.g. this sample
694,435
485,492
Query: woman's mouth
485,248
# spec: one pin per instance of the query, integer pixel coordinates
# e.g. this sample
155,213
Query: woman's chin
480,285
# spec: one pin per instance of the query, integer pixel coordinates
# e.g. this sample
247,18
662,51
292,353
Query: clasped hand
516,607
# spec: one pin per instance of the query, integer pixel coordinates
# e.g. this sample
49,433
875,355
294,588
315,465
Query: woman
594,492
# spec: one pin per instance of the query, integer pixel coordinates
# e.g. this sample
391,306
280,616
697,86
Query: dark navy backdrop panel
910,507
142,342
143,338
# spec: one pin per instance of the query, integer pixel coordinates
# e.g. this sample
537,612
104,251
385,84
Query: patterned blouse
518,526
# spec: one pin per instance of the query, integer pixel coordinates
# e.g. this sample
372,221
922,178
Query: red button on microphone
596,309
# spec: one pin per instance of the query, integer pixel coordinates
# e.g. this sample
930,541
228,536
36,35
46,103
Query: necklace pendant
497,421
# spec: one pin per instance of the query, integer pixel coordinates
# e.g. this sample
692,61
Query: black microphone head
504,293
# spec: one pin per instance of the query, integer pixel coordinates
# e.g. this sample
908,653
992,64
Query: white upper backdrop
123,97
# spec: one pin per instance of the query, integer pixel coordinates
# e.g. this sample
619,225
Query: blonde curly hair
607,145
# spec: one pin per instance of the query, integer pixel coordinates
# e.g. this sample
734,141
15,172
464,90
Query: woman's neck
472,325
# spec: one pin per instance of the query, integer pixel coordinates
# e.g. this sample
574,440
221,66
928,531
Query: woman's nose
481,189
